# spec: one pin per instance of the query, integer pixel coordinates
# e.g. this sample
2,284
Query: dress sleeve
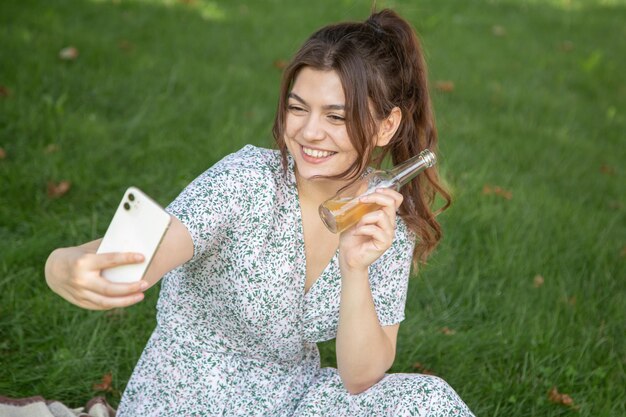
389,277
211,204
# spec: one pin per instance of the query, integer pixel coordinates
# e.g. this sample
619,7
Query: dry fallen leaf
445,86
566,46
498,30
447,331
623,252
126,45
68,53
422,369
56,190
280,64
563,399
501,192
4,91
3,153
106,384
52,148
607,169
538,281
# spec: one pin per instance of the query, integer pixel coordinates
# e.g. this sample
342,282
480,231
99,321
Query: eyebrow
326,107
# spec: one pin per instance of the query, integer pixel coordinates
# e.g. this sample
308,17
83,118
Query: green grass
161,90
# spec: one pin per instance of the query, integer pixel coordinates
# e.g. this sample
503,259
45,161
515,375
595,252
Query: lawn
526,294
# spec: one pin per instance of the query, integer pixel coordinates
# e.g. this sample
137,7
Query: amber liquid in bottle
344,210
344,214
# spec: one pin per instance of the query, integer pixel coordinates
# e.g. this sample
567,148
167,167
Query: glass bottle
344,209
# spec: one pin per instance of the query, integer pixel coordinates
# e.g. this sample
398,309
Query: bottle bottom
329,220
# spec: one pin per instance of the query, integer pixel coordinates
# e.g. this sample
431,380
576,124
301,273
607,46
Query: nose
313,129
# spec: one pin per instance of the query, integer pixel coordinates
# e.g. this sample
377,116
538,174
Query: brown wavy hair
381,66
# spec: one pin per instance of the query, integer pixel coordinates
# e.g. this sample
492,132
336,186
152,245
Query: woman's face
315,130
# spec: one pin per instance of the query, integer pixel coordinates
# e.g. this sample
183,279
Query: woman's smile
315,156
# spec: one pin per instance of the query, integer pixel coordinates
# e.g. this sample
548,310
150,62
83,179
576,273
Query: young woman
252,279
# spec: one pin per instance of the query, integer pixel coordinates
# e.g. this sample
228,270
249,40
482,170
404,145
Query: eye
336,118
296,109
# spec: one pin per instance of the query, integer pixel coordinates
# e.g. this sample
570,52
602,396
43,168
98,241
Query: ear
388,127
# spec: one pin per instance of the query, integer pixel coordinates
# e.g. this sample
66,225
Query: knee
443,399
428,395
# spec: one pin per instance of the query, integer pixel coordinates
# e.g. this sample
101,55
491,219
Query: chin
311,176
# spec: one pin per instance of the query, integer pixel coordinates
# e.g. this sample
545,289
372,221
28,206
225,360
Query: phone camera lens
131,197
126,206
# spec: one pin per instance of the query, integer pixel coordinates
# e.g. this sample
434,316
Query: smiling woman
251,277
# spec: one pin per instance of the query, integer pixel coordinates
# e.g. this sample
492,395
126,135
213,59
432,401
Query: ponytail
407,84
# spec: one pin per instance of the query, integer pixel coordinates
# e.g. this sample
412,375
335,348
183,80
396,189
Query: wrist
51,269
352,268
57,267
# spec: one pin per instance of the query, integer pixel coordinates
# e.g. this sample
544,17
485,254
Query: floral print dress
236,334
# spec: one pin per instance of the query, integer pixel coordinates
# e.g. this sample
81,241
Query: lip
313,160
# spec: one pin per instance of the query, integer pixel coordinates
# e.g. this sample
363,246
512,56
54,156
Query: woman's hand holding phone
75,273
109,272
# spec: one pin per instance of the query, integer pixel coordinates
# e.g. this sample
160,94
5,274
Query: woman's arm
74,272
365,349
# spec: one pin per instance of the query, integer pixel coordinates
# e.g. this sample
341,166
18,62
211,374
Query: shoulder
404,241
251,163
245,168
401,251
250,173
251,158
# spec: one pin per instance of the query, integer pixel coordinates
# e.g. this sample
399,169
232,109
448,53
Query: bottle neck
409,169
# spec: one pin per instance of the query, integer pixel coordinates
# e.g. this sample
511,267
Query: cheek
343,140
290,126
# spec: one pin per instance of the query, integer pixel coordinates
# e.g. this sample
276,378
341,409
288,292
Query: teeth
317,154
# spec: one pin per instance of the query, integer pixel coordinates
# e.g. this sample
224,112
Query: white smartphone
138,225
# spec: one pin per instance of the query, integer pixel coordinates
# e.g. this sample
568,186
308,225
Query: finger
399,198
382,219
97,301
386,202
379,198
107,288
85,303
110,260
379,238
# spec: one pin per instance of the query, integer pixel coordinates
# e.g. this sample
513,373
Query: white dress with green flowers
236,334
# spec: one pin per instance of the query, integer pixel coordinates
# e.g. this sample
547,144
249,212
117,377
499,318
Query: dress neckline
293,189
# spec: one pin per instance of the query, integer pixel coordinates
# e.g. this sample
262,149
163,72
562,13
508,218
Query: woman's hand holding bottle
361,245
